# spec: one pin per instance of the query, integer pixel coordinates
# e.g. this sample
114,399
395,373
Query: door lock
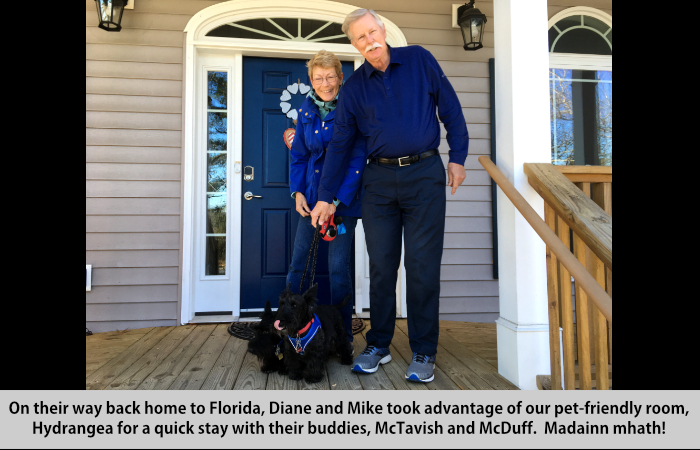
248,173
248,195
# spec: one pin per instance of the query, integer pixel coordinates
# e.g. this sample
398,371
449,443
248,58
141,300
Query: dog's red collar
303,330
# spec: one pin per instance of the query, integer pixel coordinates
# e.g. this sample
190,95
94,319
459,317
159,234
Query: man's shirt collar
395,56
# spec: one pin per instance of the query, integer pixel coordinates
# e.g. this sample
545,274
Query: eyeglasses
330,79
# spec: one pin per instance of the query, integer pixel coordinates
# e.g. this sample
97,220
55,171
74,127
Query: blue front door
269,222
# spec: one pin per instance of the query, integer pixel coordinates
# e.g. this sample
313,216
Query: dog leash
314,250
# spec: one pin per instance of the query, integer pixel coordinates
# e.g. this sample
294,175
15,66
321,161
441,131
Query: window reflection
215,263
216,213
216,172
216,181
581,117
216,91
216,131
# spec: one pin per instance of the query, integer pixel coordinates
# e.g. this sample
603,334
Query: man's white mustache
374,45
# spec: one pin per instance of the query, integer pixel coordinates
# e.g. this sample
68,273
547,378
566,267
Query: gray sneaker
421,368
370,358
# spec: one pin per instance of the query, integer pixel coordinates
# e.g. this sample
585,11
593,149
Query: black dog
266,344
310,344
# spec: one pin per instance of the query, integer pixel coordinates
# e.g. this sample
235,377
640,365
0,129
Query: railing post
601,193
582,327
553,307
567,311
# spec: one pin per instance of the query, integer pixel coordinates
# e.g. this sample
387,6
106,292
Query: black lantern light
471,21
109,13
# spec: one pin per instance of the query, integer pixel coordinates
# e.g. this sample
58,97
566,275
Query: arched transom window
580,77
581,34
285,29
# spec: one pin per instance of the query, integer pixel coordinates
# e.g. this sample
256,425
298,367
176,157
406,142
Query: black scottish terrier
266,344
310,344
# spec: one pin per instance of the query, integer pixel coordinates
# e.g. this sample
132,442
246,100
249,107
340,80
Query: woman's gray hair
357,14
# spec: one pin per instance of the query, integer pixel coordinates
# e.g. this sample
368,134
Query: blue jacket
311,139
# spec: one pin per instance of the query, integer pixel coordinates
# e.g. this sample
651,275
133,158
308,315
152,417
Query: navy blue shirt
395,111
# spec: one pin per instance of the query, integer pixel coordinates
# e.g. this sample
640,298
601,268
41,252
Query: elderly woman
313,134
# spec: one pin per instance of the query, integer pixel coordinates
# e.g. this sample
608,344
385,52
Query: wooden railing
570,209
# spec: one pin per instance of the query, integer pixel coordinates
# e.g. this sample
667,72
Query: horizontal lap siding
133,122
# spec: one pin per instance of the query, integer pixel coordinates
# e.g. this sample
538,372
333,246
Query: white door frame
197,44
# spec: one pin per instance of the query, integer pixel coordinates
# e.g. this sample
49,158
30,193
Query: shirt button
316,170
326,128
317,131
357,171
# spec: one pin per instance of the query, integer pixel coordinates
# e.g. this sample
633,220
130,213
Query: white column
522,135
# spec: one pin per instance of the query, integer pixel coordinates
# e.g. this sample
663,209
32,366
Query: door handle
248,195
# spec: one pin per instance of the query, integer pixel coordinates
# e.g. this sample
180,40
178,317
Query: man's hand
455,176
322,211
302,206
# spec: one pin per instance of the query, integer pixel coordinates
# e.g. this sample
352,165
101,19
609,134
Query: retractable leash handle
328,229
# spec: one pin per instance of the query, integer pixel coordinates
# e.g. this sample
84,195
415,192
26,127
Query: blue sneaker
370,358
421,368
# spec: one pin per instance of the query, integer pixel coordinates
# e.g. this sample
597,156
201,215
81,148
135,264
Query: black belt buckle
407,164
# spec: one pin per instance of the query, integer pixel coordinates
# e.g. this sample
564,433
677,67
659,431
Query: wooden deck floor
207,357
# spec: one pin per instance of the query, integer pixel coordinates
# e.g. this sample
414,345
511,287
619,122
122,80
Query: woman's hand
302,206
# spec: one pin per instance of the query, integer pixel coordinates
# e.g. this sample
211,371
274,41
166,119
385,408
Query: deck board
227,366
104,375
166,372
250,378
475,363
277,382
194,374
204,356
340,377
105,346
142,367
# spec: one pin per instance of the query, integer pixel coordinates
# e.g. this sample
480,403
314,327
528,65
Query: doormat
244,330
357,325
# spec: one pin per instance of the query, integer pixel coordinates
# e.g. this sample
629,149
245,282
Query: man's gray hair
358,14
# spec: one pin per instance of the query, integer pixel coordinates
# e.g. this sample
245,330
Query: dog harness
300,343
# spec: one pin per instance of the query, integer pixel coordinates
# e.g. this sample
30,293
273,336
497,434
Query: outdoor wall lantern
471,21
109,13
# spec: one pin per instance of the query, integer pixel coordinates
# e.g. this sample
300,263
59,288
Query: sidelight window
216,173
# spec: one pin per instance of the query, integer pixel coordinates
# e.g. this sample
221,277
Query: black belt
406,160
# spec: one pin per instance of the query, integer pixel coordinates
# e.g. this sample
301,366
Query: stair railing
567,207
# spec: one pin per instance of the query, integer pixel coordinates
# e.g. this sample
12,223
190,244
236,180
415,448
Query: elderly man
391,100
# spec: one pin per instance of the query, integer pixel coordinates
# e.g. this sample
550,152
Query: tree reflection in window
216,173
581,112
